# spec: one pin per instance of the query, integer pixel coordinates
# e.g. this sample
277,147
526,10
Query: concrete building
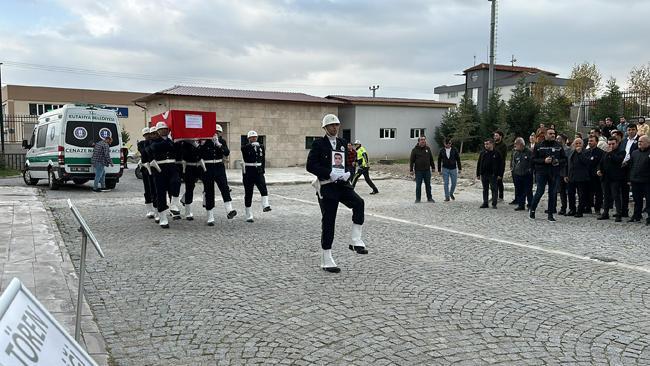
286,122
505,80
21,101
389,127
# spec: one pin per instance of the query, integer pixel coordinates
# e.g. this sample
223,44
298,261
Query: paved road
444,283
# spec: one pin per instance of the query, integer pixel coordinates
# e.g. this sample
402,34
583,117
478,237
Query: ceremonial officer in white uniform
164,170
333,186
147,178
254,156
192,172
212,152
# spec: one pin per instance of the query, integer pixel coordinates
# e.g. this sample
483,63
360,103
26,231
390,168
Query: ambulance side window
41,136
52,134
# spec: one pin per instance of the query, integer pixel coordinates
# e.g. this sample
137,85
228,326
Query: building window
387,133
309,140
453,94
36,109
417,132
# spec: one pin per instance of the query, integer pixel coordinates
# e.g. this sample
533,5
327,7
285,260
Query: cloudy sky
318,47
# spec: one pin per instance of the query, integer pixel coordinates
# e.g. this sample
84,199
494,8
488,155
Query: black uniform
319,163
547,173
167,180
254,161
502,149
193,172
489,167
147,179
640,180
595,194
213,156
611,166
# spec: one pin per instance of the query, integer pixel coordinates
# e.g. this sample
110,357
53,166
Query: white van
62,144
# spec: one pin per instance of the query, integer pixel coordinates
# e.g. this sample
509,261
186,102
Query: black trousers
563,190
595,195
639,192
500,188
167,181
191,176
149,187
253,178
625,198
216,173
523,189
612,194
581,188
334,193
366,176
489,183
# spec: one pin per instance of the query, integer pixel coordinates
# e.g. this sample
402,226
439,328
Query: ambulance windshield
86,133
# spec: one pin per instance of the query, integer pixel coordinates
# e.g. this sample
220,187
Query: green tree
639,79
556,109
490,117
522,110
126,137
609,105
584,82
460,124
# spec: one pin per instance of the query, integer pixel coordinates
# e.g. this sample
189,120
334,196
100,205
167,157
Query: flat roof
72,95
532,70
406,102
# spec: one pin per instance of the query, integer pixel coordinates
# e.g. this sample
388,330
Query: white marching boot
150,211
163,219
188,212
327,262
265,204
249,214
357,244
210,218
230,212
156,216
174,208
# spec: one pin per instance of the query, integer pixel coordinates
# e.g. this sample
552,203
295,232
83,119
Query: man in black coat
577,178
612,175
629,144
147,178
333,186
254,156
595,195
640,179
164,170
489,169
502,149
549,159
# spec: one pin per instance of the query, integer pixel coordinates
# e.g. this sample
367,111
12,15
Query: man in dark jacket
449,167
640,179
563,187
612,175
489,170
595,195
502,149
147,179
421,164
577,178
549,159
629,144
333,187
522,175
254,156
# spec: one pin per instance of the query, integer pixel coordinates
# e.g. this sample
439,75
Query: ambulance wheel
27,177
52,182
79,181
111,183
138,173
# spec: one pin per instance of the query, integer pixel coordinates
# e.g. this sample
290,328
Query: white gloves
345,176
334,176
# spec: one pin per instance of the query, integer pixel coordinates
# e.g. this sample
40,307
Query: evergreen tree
489,118
522,110
609,105
460,124
556,109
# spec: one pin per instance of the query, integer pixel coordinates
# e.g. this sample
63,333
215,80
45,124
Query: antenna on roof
373,88
513,60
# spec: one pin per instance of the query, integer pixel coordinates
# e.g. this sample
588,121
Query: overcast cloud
319,47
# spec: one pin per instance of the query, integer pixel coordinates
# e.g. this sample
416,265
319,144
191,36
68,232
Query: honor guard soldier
332,187
212,153
191,172
147,178
164,170
175,189
254,157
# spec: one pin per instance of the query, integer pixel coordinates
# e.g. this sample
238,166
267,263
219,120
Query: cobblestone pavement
444,283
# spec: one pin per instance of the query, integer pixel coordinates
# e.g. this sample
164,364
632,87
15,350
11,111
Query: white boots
327,262
210,218
163,219
174,208
265,204
156,216
150,211
249,214
230,212
357,244
188,212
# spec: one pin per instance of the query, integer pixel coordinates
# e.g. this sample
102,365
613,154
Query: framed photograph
338,162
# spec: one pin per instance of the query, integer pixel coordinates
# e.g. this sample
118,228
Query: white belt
252,164
216,161
166,161
192,164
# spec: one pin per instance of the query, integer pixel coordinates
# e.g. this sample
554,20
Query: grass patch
4,172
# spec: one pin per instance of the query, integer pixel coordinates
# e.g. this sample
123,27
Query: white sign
29,335
193,121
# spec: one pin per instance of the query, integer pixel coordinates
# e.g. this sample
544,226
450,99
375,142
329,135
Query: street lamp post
492,36
2,110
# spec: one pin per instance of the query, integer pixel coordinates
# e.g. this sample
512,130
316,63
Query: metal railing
18,127
12,161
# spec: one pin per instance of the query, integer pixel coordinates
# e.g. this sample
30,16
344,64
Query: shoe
327,262
357,244
578,215
520,208
452,197
431,200
374,192
485,205
249,215
618,218
647,221
189,216
551,218
500,199
163,219
96,190
417,201
545,211
230,212
105,190
447,199
603,217
265,204
571,213
532,215
597,212
210,218
513,202
150,211
562,212
494,207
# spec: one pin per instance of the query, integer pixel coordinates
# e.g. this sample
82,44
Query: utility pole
2,111
492,40
513,60
373,88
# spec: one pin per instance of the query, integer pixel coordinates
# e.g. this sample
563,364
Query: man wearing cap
165,172
147,179
212,152
332,187
254,156
363,167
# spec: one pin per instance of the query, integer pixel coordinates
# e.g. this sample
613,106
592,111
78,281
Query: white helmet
330,119
160,125
153,129
251,134
219,128
357,142
145,131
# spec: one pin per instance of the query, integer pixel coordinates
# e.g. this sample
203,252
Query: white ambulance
62,144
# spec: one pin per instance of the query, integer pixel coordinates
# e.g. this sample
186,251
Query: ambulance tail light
61,156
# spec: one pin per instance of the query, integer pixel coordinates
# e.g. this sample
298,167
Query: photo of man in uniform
338,163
